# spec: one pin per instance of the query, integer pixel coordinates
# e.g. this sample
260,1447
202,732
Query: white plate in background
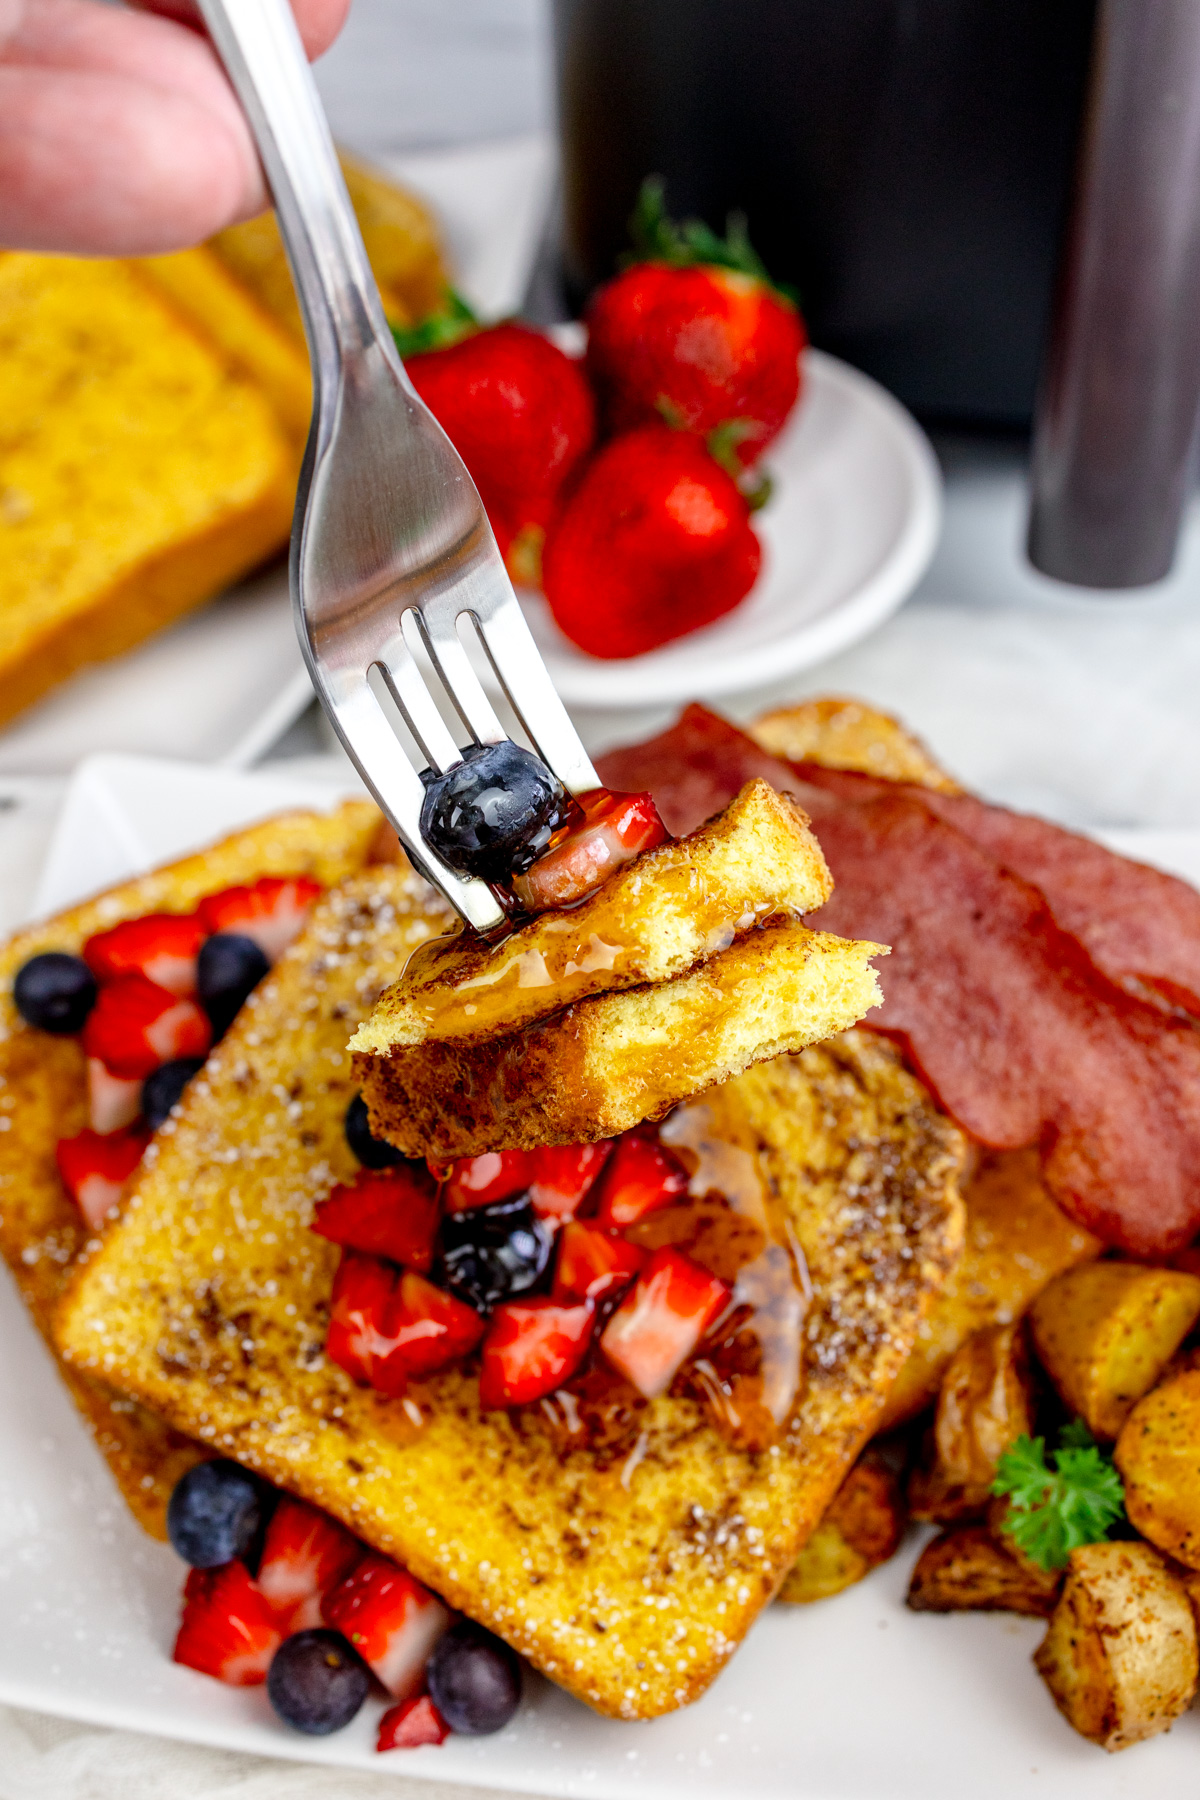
227,681
851,1699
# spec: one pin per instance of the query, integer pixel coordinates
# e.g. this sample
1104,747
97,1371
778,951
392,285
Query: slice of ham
1140,926
1007,1017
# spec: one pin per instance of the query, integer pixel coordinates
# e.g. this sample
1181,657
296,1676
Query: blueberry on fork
494,813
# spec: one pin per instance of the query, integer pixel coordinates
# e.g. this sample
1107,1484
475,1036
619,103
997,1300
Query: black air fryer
904,163
930,175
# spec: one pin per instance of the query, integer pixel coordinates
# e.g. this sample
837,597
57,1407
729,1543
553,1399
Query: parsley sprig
1052,1511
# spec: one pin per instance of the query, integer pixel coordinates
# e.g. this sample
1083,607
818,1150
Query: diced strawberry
389,1212
161,946
531,1348
392,1621
592,1263
478,1180
112,1101
640,1178
358,1339
227,1629
661,1320
382,1328
615,829
271,911
429,1327
136,1026
95,1168
563,1176
306,1553
414,1722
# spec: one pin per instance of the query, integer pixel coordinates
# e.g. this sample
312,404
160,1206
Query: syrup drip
569,958
751,1375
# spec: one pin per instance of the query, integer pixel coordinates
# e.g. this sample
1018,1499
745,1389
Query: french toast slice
613,1060
849,734
653,920
43,1098
141,469
628,1569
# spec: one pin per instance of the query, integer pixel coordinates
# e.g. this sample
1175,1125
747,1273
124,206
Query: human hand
119,133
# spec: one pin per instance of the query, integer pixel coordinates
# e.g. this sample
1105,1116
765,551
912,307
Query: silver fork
390,536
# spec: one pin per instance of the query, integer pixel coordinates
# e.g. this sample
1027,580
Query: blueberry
161,1090
214,1513
317,1682
371,1152
490,1253
474,1679
55,992
229,966
494,813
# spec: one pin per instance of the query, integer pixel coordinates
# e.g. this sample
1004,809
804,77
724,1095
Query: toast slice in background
654,919
43,1098
204,289
140,470
629,1569
849,734
402,242
603,1065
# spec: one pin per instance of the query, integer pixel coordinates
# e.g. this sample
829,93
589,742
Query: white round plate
847,534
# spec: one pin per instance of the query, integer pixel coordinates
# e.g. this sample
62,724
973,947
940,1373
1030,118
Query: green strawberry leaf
691,243
438,330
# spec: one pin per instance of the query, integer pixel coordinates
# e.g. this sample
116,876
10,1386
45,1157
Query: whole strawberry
655,541
695,333
520,414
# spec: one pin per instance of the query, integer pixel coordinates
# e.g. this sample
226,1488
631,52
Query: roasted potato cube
1017,1240
1119,1655
1158,1456
983,1407
1106,1332
862,1527
966,1569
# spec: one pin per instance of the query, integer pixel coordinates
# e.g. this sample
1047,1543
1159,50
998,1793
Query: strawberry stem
438,330
690,242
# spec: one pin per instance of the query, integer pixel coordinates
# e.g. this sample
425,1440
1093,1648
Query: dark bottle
1117,413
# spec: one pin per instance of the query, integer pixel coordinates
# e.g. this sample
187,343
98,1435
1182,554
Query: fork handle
261,49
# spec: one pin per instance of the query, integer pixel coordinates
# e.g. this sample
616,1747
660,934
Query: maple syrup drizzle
771,1289
568,957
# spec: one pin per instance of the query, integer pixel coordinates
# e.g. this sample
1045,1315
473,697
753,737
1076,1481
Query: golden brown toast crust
628,1574
847,734
43,1098
653,920
605,1064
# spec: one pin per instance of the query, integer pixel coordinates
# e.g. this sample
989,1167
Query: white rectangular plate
852,1699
